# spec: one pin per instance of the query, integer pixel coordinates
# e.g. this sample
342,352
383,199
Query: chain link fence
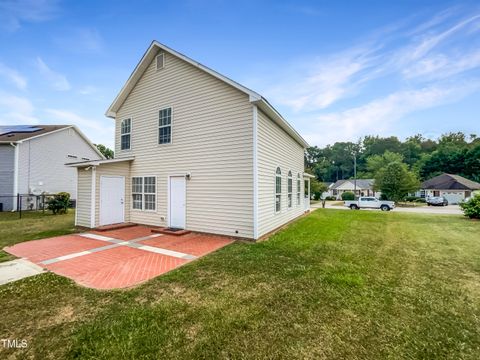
26,202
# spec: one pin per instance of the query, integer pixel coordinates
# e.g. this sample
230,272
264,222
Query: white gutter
15,174
255,172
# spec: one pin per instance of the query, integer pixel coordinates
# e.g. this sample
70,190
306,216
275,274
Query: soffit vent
160,61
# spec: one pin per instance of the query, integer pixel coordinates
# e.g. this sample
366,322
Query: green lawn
32,225
334,285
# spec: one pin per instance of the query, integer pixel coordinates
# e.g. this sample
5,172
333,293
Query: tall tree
107,152
395,181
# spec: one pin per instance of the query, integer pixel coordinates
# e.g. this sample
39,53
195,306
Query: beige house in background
197,151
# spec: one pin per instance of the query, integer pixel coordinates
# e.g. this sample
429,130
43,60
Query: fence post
19,205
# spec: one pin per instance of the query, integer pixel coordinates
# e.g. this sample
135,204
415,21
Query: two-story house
33,157
194,150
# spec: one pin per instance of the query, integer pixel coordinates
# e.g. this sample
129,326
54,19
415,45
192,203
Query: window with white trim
289,189
125,134
165,126
144,193
299,185
278,190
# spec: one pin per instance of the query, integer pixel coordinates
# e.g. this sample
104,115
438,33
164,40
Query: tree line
388,159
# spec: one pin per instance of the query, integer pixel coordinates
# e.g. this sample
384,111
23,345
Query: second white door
177,202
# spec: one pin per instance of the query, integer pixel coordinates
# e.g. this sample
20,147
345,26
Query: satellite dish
36,191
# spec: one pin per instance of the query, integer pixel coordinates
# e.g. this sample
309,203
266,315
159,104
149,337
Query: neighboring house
32,160
194,150
454,188
364,187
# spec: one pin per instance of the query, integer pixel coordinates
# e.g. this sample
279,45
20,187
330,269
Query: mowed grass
334,285
32,225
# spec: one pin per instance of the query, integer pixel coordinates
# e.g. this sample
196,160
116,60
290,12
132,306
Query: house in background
32,160
454,188
194,150
364,187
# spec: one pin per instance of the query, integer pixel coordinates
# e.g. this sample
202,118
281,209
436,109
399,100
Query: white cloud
81,40
15,12
16,110
377,116
87,90
56,80
13,76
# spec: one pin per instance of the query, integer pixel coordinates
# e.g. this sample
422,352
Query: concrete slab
18,269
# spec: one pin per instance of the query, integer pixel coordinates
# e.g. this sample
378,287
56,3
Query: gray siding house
194,150
33,157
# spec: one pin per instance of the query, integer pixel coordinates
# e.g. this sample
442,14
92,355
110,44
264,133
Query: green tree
317,188
107,152
395,181
377,162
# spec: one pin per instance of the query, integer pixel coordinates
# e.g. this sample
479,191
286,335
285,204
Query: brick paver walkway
116,258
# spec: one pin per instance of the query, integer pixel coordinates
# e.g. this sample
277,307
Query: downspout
93,197
15,174
255,172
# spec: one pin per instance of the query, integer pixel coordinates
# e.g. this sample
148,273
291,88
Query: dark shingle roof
450,182
13,136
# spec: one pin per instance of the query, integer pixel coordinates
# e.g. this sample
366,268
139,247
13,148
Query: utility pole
355,174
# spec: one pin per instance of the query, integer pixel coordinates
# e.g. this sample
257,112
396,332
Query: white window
278,190
125,134
165,126
144,193
298,189
289,189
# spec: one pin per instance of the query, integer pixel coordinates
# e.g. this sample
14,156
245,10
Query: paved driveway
117,258
445,210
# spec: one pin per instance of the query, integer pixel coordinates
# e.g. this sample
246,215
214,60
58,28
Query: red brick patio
116,258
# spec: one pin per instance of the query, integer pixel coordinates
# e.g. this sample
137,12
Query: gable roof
361,183
450,182
254,97
29,132
16,133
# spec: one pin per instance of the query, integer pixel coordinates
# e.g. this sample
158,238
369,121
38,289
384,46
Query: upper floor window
125,134
299,184
165,126
278,190
289,189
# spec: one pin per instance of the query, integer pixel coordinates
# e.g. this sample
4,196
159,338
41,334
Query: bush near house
59,203
472,208
348,195
330,198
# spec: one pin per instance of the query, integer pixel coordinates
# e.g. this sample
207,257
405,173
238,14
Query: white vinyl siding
84,191
275,149
212,129
41,162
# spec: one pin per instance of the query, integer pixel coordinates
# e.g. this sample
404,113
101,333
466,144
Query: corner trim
255,172
93,197
15,174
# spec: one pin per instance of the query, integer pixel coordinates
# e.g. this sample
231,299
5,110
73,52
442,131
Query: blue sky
336,70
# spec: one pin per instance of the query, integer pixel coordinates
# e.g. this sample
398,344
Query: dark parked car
437,201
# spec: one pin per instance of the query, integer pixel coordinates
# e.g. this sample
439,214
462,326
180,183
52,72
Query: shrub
411,198
348,195
330,198
471,208
420,200
59,203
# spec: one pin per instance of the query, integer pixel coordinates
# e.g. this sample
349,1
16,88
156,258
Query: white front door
112,196
177,200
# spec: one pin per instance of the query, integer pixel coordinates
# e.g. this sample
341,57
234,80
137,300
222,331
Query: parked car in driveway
437,201
370,202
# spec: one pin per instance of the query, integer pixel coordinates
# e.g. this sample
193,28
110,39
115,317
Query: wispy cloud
420,54
88,90
376,116
81,40
13,76
16,110
56,80
15,12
